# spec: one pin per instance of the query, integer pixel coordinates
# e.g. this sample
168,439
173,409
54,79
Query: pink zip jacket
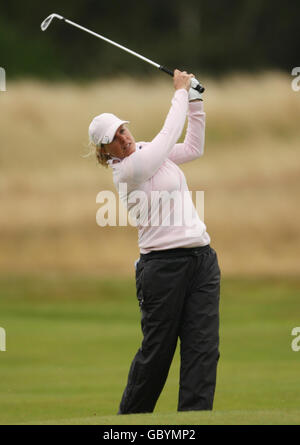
153,187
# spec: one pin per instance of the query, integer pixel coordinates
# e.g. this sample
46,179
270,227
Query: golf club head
48,20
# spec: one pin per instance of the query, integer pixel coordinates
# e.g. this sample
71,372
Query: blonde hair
101,156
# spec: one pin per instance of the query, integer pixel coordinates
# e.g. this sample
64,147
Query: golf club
45,24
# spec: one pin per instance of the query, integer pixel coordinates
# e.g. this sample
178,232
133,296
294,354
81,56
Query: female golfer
177,275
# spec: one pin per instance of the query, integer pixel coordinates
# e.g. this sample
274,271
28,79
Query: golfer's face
122,145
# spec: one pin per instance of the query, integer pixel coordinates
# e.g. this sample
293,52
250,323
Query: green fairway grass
70,341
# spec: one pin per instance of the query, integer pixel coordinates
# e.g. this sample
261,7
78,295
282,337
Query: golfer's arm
142,165
193,145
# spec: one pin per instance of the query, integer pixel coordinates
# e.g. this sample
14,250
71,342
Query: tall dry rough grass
250,173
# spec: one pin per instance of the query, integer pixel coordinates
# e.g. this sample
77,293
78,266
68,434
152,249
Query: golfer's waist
177,252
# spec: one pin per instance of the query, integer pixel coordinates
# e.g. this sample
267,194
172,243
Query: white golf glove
194,94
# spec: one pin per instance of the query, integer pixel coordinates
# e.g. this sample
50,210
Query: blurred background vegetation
58,80
208,36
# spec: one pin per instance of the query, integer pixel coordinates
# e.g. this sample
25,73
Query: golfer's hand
182,80
194,94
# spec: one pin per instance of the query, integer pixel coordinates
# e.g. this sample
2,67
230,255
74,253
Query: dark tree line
210,36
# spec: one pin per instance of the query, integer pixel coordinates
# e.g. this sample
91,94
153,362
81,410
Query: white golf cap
102,129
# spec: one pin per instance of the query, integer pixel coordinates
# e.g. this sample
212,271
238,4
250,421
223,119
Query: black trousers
178,292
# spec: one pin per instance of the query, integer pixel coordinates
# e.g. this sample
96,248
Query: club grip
199,87
166,70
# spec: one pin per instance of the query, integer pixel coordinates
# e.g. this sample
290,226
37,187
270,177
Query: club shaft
45,24
112,43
